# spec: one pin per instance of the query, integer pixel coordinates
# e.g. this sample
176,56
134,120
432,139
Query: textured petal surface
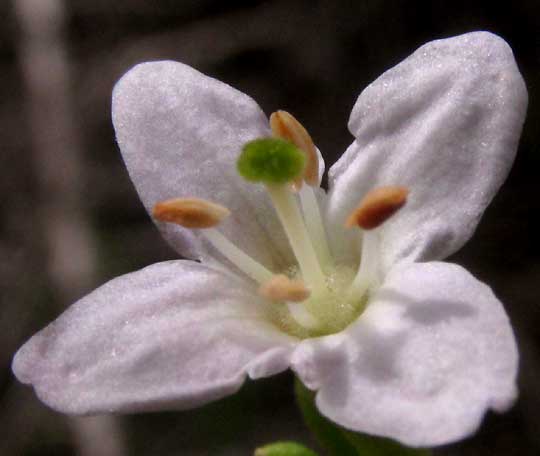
173,335
180,133
431,354
445,123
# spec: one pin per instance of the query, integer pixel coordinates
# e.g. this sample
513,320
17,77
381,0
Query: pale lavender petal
180,133
430,356
445,123
174,335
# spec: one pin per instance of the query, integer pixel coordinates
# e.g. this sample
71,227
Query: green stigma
271,161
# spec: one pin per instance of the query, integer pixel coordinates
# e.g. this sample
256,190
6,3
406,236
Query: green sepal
270,161
341,442
284,449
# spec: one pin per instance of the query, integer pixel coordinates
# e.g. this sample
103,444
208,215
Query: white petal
445,123
431,354
180,133
174,335
321,164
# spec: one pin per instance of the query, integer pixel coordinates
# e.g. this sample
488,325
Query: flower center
316,296
325,313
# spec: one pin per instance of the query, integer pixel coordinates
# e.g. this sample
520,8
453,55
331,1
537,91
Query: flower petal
445,123
159,338
180,133
431,354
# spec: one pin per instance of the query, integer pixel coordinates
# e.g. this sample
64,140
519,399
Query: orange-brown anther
190,212
281,288
285,126
377,207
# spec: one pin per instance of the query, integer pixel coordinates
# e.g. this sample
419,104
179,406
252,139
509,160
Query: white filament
368,264
236,256
314,224
302,316
291,220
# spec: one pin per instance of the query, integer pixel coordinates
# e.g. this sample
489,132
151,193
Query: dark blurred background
71,218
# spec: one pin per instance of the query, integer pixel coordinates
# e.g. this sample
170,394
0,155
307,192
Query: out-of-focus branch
57,154
55,146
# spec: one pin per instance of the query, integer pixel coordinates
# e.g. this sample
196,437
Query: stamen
315,225
238,257
190,212
285,126
377,207
198,214
292,292
374,209
281,288
294,226
368,265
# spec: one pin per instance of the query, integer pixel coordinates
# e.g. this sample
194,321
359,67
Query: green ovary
334,310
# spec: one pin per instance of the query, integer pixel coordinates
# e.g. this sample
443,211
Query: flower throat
316,296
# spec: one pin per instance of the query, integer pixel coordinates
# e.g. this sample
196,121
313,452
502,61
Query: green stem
327,435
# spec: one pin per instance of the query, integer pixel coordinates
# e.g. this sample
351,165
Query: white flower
432,351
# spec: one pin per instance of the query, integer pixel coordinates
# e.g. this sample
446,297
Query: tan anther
377,207
281,288
285,126
190,212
